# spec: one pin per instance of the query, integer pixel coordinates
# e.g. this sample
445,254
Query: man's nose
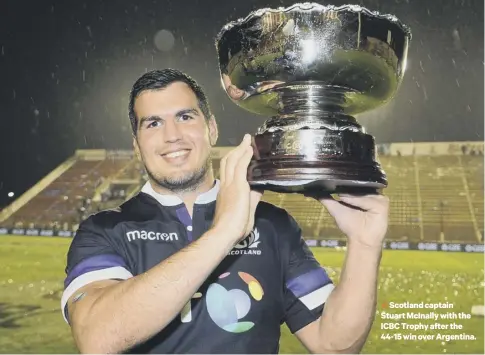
172,131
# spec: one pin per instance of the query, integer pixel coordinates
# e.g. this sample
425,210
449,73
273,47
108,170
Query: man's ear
136,148
213,130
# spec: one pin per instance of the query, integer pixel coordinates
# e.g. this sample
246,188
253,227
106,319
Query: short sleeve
307,285
91,257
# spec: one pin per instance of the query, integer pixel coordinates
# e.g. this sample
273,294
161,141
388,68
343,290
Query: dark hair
160,79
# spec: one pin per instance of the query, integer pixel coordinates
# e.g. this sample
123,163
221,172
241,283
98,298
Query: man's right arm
112,316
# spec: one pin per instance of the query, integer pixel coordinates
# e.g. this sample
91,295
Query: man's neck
188,197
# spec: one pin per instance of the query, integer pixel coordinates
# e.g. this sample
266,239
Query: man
196,265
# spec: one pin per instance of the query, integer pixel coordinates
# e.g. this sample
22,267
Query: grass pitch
32,274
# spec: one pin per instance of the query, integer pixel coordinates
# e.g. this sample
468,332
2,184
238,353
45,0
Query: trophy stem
311,105
326,120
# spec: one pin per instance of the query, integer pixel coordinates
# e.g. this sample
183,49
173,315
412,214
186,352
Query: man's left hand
363,219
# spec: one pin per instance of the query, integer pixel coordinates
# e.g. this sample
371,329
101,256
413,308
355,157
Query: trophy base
329,179
316,160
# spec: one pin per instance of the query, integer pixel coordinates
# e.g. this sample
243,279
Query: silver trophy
309,68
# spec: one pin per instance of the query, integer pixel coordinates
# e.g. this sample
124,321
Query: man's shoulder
132,210
274,214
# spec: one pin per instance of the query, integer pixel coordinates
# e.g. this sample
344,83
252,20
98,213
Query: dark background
66,69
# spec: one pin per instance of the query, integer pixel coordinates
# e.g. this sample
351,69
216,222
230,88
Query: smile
178,153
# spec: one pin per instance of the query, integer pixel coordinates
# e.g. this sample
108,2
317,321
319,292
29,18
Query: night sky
66,69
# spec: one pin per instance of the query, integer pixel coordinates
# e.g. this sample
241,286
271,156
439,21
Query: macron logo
144,235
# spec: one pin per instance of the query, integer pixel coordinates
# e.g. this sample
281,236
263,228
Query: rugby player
192,264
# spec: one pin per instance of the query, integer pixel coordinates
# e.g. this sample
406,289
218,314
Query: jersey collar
172,200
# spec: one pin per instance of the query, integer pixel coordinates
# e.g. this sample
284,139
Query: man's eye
153,124
185,117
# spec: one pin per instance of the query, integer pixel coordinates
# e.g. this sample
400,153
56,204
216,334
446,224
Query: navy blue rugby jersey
269,278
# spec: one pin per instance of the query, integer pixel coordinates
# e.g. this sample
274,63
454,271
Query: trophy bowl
309,69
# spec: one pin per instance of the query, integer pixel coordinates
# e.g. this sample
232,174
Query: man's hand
363,219
236,202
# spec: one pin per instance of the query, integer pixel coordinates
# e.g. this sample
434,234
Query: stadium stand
434,197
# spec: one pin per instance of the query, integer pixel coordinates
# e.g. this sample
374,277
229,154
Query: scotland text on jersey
248,246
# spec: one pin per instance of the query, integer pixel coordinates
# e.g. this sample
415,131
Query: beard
181,184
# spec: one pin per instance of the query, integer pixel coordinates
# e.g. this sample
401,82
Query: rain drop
421,65
164,40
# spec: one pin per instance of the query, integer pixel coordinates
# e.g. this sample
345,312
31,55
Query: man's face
173,138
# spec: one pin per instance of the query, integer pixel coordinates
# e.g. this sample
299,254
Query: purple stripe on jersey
184,217
94,263
308,282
